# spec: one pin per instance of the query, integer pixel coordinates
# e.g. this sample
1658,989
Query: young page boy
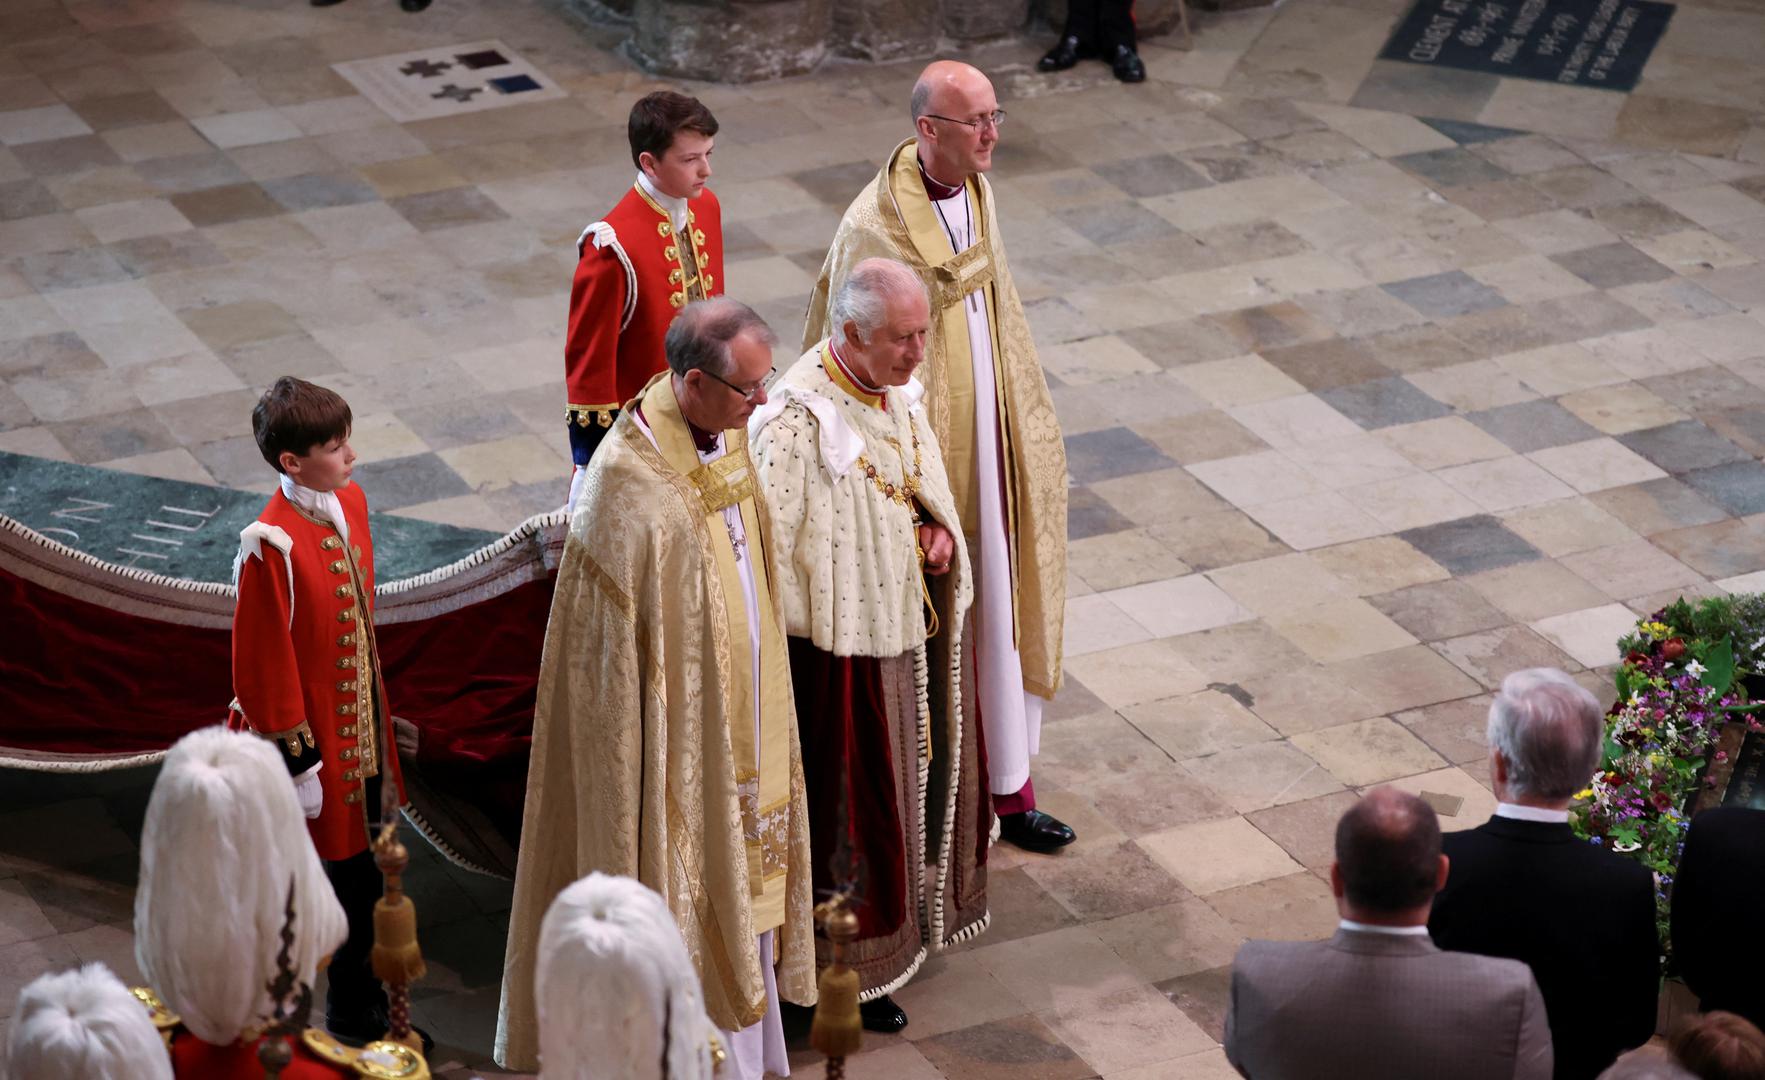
305,670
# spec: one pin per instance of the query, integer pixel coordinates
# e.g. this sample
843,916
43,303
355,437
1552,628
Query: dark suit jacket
1581,917
1717,900
1378,1007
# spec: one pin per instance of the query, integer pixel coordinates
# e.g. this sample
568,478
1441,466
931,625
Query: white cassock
758,1048
1010,715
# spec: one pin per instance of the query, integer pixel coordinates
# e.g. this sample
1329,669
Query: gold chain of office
909,486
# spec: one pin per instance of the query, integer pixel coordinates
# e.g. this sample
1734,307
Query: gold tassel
837,1030
396,956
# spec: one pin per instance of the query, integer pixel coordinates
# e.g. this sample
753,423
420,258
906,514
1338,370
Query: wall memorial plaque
1600,43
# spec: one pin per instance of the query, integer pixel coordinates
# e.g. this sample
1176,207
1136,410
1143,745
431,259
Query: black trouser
1100,25
353,991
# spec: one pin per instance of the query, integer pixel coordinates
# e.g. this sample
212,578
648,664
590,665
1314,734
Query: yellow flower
1584,793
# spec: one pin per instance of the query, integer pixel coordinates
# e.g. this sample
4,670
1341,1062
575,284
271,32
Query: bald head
953,105
1388,852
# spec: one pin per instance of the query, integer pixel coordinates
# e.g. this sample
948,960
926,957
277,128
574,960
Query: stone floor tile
1568,526
1453,729
1352,461
1217,855
1087,968
1297,698
1596,464
1280,584
1196,724
1105,881
1289,422
893,1061
1177,606
1403,678
1021,1046
1238,381
1622,409
1296,907
1440,296
1367,751
951,992
1214,540
1261,774
1130,674
1306,830
1441,609
1672,300
1442,442
1610,266
1205,998
1114,452
1121,559
1314,521
1128,1029
1559,369
1589,635
26,198
1472,387
1094,623
1535,590
1505,483
1631,569
1682,446
1725,549
1435,92
1183,342
1491,656
1250,480
56,270
1410,502
1738,487
1340,629
1477,807
220,205
1384,403
1658,505
1470,544
1355,313
1528,279
1378,565
1557,232
1452,167
1089,516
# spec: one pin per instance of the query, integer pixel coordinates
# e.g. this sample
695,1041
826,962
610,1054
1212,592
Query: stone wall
749,40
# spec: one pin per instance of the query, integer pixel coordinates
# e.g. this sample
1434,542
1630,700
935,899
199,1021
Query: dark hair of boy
295,416
658,117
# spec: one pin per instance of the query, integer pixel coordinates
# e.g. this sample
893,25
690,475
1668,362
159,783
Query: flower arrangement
1677,688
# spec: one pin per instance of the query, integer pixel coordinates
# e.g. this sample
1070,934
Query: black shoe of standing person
1065,53
1033,830
324,3
1127,66
882,1015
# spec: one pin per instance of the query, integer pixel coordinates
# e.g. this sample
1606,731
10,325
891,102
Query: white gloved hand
307,790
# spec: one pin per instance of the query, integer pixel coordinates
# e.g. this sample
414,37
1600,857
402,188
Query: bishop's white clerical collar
676,207
1531,813
324,505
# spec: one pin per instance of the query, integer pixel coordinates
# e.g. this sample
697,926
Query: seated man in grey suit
1379,1000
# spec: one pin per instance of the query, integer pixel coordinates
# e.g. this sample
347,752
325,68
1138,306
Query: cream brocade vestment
645,711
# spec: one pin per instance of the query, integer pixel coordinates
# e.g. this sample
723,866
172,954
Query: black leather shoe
882,1015
1033,830
324,3
1063,55
1127,65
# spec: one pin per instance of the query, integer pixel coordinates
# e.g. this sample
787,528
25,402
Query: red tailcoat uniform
634,273
305,668
315,1054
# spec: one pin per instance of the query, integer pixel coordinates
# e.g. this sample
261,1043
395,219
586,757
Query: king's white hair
223,843
83,1025
617,991
863,298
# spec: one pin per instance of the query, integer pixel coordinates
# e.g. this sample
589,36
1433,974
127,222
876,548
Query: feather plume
83,1025
223,840
618,995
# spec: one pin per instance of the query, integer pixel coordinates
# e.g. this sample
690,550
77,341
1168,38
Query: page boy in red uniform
305,670
655,252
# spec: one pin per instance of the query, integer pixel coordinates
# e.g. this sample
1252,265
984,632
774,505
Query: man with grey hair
874,579
664,736
1522,886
